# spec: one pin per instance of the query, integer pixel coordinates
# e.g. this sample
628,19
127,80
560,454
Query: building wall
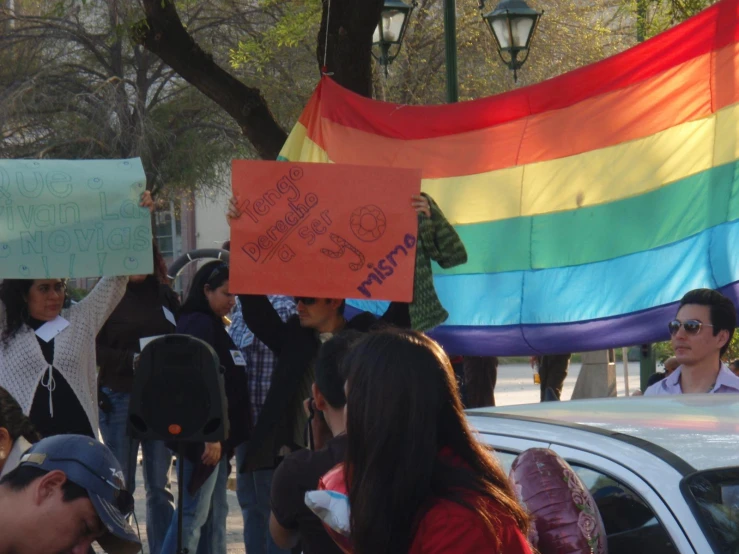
211,228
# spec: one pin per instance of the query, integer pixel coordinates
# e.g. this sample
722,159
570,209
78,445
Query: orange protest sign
324,230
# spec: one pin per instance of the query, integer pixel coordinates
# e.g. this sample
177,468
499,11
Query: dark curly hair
13,295
14,421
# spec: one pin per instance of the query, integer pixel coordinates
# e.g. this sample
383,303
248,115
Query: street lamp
512,23
389,32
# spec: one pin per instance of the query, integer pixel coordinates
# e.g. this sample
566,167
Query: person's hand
233,210
309,404
637,393
212,454
147,201
421,205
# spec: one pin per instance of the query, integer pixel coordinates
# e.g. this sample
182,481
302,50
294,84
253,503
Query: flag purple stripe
516,340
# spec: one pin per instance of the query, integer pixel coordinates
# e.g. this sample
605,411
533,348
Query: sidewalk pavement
234,523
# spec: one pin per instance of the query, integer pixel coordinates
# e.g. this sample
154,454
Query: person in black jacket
147,310
296,341
281,423
205,505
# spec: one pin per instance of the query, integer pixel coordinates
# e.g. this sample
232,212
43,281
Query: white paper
52,328
170,316
146,340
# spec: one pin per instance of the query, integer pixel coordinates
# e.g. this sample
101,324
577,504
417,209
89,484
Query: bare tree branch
163,34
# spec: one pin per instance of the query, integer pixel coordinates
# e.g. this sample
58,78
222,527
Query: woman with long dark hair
205,505
419,482
17,433
148,309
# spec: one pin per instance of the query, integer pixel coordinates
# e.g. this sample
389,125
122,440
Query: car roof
702,429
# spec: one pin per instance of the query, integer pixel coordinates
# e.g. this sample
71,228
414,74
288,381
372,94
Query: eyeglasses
306,300
691,326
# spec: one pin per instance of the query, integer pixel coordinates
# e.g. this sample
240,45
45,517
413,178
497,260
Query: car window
714,498
506,459
630,523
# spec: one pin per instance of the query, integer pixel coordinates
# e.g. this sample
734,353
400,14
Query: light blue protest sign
73,218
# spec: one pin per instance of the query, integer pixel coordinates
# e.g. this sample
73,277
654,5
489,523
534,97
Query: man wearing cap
66,493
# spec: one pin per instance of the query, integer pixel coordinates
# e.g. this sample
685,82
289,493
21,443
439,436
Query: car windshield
714,497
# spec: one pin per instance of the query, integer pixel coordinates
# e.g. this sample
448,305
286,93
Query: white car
664,471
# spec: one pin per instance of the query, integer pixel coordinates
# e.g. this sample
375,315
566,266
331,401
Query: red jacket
449,528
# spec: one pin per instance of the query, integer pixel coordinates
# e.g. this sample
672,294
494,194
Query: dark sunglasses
691,326
306,300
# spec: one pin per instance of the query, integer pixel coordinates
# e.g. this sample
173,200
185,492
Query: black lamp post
388,37
513,24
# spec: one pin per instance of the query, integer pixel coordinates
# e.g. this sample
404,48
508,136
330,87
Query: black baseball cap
91,465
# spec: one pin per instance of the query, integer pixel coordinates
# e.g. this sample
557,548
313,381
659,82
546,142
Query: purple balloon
565,517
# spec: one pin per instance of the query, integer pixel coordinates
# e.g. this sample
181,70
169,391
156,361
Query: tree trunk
351,24
164,35
350,27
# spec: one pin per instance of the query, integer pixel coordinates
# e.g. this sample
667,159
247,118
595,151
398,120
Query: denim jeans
203,514
157,463
253,491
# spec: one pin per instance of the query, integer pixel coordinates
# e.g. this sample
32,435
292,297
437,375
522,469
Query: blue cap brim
120,538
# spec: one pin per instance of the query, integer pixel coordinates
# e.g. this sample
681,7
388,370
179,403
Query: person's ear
335,303
723,338
6,444
319,399
49,486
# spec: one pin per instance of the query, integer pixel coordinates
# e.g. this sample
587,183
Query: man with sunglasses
296,341
701,334
66,493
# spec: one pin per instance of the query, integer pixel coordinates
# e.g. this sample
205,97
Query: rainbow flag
589,203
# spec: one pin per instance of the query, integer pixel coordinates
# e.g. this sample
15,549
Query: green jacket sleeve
439,238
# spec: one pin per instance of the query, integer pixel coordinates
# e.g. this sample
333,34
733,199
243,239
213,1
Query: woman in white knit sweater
53,375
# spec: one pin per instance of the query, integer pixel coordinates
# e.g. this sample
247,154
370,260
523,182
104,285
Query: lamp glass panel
392,24
502,33
376,35
521,29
